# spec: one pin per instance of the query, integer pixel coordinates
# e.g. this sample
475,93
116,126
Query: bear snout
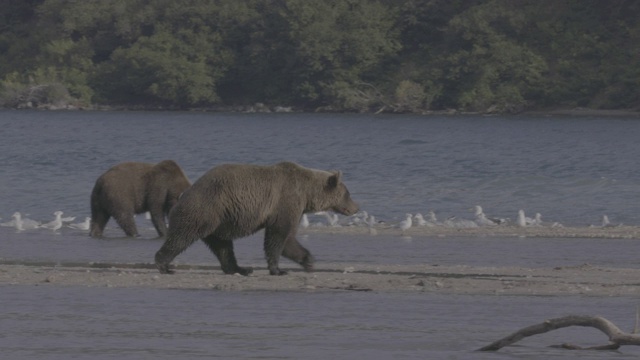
347,210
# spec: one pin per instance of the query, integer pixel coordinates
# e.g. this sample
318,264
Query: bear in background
133,188
236,200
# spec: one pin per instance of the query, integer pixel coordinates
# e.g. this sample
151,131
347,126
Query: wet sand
457,279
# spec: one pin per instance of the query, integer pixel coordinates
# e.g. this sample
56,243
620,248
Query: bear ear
334,179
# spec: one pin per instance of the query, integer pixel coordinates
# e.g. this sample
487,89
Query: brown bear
133,188
236,200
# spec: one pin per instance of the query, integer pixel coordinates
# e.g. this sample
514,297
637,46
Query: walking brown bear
133,188
236,200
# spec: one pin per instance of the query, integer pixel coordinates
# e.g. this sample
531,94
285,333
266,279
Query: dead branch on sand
616,336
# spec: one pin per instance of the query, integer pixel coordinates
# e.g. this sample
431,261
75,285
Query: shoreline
583,280
612,232
262,108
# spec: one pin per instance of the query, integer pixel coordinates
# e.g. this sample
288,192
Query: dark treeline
333,55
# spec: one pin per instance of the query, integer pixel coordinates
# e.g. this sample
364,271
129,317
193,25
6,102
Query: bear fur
236,200
133,188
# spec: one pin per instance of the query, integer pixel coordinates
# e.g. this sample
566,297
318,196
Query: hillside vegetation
502,56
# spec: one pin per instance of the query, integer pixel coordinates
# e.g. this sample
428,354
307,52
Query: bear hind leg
171,248
223,249
127,222
274,245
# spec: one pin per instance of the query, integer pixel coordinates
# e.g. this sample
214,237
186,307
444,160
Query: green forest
397,56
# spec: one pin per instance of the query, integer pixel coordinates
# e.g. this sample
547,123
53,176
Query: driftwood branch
616,336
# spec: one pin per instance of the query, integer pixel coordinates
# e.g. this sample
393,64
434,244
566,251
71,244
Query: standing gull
371,221
420,221
304,222
406,223
537,221
522,222
606,223
431,218
56,223
526,221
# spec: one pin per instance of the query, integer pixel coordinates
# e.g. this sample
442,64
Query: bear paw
244,271
164,269
278,272
308,267
239,270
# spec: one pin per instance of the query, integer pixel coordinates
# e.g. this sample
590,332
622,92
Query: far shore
262,108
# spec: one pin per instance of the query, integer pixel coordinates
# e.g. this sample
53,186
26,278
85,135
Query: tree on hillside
311,53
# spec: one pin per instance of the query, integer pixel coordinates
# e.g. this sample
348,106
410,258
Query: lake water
572,170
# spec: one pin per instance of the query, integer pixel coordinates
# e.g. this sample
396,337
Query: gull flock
328,219
363,218
480,219
21,223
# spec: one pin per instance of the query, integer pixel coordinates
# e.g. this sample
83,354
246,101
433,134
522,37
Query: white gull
332,219
420,221
56,223
606,223
406,223
85,225
483,220
431,219
24,224
537,221
524,221
371,222
304,222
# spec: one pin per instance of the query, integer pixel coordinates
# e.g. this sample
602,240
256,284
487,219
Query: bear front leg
99,220
274,244
223,249
296,252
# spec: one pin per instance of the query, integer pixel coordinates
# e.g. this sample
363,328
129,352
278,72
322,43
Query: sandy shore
458,279
583,280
